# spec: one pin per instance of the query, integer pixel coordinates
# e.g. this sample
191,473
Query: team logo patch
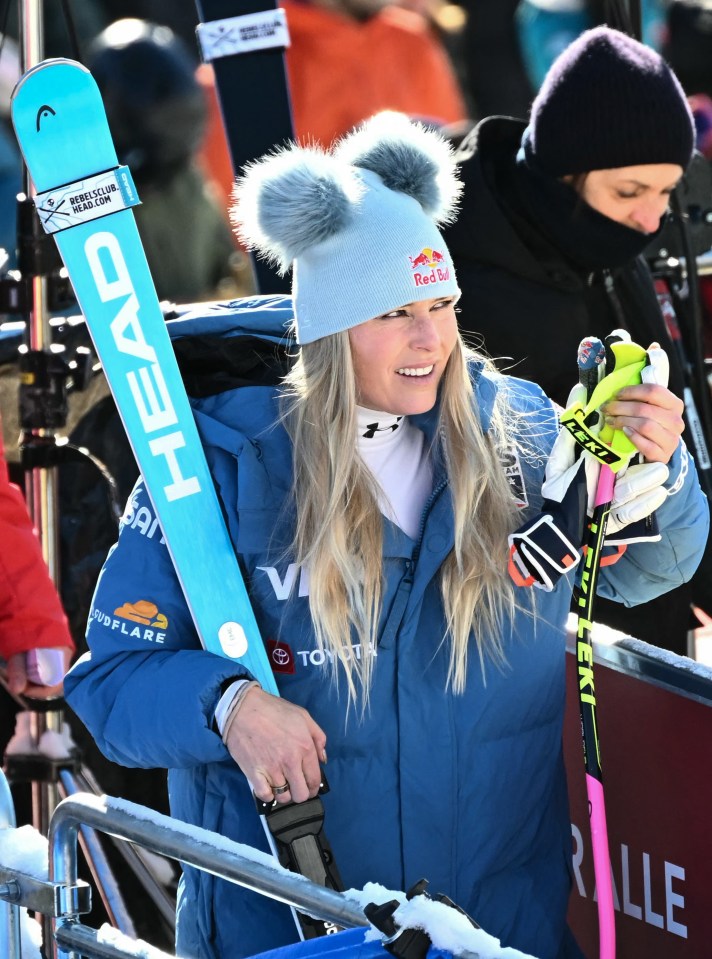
511,464
429,267
281,656
142,611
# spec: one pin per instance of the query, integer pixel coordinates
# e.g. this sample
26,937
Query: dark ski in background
245,42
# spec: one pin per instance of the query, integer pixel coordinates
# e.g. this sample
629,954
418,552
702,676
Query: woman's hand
276,743
20,679
651,416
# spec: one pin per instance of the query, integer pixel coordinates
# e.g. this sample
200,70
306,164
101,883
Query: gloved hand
637,493
547,546
638,489
37,674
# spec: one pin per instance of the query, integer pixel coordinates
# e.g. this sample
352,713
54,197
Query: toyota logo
280,656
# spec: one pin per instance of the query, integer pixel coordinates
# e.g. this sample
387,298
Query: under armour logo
373,428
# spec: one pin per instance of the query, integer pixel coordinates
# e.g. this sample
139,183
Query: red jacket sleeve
31,615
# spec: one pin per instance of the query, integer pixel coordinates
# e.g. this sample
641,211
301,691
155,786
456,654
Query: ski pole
693,421
590,355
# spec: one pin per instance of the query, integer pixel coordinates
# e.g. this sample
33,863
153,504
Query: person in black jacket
555,217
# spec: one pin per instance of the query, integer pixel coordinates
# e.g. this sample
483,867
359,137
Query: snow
447,928
160,867
201,835
605,636
665,656
52,744
132,947
30,936
26,851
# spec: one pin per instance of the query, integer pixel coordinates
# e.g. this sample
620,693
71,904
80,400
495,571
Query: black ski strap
297,831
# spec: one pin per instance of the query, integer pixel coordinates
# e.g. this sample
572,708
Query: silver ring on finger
280,790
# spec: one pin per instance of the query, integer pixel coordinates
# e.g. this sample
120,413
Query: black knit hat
607,102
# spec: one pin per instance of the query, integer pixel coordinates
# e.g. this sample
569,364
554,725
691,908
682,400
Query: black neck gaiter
583,236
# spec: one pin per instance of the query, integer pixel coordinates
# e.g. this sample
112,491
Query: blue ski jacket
466,790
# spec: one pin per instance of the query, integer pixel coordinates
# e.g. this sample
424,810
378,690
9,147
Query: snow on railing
52,884
19,935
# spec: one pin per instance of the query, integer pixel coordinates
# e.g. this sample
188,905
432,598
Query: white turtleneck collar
393,449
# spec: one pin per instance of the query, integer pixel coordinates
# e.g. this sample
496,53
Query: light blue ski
84,198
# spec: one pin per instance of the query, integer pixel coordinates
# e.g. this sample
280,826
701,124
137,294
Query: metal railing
9,910
64,897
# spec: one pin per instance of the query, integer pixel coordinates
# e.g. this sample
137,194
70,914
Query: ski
84,198
245,42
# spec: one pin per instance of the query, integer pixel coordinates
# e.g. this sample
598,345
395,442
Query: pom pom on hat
408,158
608,101
291,200
358,223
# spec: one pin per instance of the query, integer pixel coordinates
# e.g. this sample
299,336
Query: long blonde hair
339,527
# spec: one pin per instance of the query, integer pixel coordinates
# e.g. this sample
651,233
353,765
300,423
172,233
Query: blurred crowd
448,63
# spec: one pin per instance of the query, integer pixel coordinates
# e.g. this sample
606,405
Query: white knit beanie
358,222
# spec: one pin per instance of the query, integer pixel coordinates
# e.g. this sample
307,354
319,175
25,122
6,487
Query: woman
368,503
555,217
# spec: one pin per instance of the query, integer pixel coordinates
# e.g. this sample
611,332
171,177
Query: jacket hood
269,317
484,232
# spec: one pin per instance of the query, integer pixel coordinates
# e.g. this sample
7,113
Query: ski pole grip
610,447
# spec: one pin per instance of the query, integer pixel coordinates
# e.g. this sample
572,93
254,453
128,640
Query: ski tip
60,124
50,63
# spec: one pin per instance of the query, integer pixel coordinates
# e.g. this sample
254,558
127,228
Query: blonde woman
370,496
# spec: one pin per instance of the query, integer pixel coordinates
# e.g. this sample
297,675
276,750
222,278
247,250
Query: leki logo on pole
573,421
610,447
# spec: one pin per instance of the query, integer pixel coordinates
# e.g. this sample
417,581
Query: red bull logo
426,268
427,257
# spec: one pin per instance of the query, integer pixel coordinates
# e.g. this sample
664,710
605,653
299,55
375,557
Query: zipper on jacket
426,509
400,600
